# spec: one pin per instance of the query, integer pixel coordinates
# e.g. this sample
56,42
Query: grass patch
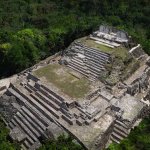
130,69
121,52
62,79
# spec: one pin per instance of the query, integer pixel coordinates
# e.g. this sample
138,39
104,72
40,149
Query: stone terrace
64,81
43,107
52,99
88,61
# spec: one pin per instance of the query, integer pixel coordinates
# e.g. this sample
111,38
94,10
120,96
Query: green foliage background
62,143
30,30
5,144
138,139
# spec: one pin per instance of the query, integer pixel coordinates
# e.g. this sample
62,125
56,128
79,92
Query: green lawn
62,79
121,52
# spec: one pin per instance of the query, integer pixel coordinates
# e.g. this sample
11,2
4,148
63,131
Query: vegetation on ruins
62,143
31,30
5,144
120,52
138,139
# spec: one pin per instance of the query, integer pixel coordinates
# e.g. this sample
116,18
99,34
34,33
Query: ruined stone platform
71,94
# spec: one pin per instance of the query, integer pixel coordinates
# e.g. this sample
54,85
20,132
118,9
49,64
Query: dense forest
31,30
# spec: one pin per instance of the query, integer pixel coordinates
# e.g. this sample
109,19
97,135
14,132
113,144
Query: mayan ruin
96,90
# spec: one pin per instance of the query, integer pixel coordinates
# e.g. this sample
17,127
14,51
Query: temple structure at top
110,36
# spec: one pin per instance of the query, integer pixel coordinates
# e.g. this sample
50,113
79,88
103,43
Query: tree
5,144
62,143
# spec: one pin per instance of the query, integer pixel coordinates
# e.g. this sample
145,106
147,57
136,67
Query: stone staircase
120,131
92,65
41,108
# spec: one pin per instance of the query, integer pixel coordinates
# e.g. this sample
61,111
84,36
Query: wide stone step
122,129
121,124
80,121
38,114
31,87
97,61
30,106
38,106
67,119
26,144
36,118
96,51
79,51
35,146
45,97
96,57
66,112
78,59
11,125
93,74
97,117
76,49
116,136
50,96
32,123
23,147
91,69
76,65
27,124
49,93
120,133
53,93
78,70
114,139
28,89
44,107
95,70
89,121
94,63
25,129
82,64
13,122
